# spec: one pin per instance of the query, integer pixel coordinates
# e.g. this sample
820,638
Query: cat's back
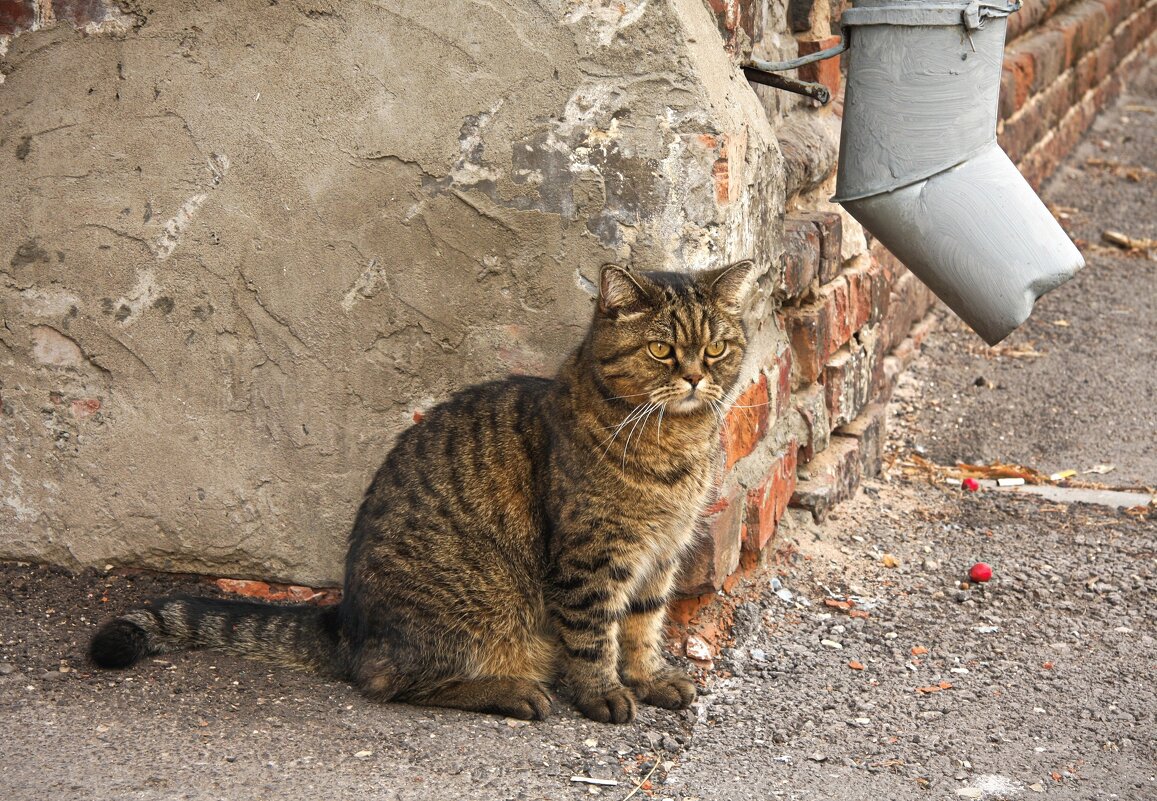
468,467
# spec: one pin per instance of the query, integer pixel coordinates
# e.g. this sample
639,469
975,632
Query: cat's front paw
617,705
669,689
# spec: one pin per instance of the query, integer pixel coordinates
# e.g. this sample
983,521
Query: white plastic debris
589,780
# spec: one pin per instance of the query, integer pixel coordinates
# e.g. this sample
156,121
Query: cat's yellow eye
716,349
660,350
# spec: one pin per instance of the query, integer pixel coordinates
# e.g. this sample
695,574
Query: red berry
971,484
980,572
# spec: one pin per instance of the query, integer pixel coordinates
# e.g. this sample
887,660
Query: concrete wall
242,243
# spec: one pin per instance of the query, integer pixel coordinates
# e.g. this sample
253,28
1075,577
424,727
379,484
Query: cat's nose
693,379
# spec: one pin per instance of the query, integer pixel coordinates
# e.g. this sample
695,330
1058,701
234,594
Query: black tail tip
118,644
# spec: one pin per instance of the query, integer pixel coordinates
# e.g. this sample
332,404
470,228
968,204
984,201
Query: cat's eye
716,349
660,350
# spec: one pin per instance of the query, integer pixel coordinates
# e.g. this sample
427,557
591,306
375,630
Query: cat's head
675,339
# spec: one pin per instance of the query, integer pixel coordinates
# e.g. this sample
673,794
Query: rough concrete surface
1036,684
241,243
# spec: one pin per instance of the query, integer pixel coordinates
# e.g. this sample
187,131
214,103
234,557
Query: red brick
746,422
85,407
733,16
817,330
1046,49
1043,159
16,16
1015,82
801,255
1031,14
829,478
715,554
826,72
767,502
779,383
867,295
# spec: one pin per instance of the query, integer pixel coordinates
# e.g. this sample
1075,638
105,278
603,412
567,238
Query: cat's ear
621,293
731,285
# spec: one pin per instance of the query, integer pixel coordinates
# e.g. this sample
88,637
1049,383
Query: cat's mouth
691,401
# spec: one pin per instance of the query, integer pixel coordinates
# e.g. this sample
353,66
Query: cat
526,533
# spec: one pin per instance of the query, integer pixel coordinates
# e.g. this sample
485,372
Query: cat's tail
302,636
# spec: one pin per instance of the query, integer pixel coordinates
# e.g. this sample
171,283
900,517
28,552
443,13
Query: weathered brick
1047,51
848,379
909,302
829,478
812,409
733,17
779,383
79,12
84,407
16,16
1015,82
746,422
870,429
801,255
715,554
826,72
892,267
868,294
817,330
767,502
831,228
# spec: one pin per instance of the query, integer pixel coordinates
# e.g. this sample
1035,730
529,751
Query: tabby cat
527,532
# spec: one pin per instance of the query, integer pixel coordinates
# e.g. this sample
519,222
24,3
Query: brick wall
1065,60
852,315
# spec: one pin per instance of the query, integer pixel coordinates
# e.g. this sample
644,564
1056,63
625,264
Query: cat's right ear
621,295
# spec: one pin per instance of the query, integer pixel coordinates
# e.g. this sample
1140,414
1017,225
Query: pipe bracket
765,72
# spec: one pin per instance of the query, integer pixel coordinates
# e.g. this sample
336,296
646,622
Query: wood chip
1126,242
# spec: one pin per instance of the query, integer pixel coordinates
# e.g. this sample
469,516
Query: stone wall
242,244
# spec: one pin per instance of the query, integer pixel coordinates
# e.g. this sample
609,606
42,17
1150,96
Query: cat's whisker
634,410
659,427
637,412
717,407
650,410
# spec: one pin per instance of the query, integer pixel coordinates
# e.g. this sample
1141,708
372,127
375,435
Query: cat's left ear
731,285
